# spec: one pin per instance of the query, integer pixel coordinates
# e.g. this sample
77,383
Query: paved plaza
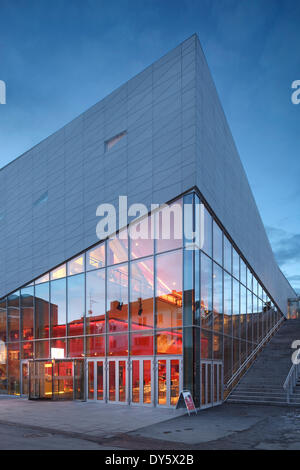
74,425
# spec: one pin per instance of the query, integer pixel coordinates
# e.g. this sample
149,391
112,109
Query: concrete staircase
263,382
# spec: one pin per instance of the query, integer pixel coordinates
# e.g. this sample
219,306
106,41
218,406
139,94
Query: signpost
186,400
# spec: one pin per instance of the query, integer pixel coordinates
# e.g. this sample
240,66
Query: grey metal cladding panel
222,180
154,162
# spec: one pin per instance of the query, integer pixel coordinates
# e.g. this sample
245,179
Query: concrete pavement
77,425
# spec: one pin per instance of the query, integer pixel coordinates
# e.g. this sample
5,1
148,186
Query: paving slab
88,418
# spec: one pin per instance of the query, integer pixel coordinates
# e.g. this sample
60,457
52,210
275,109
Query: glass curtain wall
186,291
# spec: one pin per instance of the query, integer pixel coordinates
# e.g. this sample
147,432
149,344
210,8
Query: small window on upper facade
114,140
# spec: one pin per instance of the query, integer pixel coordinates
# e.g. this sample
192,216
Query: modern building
128,319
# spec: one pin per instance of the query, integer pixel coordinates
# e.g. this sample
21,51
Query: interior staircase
263,382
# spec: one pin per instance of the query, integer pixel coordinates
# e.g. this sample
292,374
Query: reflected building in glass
134,320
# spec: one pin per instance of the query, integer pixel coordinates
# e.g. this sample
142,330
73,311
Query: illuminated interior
124,315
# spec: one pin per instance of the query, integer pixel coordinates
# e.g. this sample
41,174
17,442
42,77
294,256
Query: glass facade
136,320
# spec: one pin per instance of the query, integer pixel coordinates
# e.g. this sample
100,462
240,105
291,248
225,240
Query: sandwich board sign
186,400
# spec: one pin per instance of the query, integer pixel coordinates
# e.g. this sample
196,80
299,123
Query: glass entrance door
96,379
142,381
168,380
40,380
24,378
117,380
211,383
55,379
63,383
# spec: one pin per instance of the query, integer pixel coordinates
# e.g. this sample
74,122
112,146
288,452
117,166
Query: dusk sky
60,57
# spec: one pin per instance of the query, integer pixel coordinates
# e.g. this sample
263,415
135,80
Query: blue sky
59,57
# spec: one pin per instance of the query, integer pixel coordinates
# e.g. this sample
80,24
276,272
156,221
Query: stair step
258,398
259,391
256,402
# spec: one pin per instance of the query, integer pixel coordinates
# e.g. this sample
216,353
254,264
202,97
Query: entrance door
96,379
24,378
168,380
63,380
117,380
211,383
141,381
40,374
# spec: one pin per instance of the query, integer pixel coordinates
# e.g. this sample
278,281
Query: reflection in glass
95,302
162,382
76,265
217,244
206,292
135,382
42,349
42,279
169,342
100,380
243,316
27,350
3,320
169,227
147,365
217,347
227,304
91,380
227,254
169,290
117,297
142,238
13,316
141,294
58,273
75,347
236,318
75,305
206,344
206,244
63,380
112,380
243,272
42,310
175,382
95,346
95,257
27,296
217,297
235,264
141,344
118,345
122,381
249,316
13,362
58,348
58,308
117,248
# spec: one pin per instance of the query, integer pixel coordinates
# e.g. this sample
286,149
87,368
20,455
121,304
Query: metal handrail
254,352
291,379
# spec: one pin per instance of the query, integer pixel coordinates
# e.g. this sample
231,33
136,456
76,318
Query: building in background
125,320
